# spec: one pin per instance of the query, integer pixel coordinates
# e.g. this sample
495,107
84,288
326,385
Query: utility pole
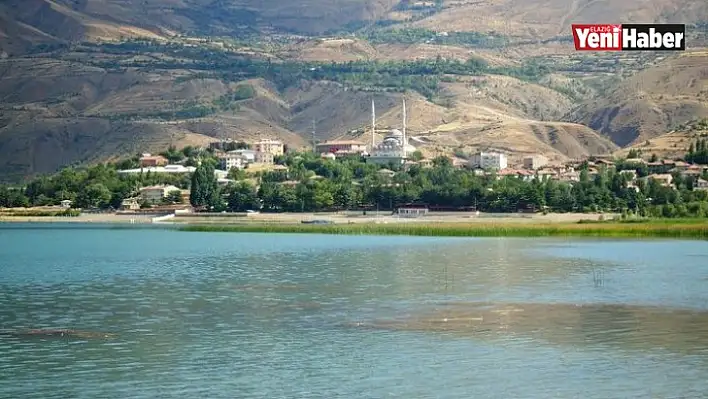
314,141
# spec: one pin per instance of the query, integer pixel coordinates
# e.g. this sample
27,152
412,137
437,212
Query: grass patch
697,230
36,213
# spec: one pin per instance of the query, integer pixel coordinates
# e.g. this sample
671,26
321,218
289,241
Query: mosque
394,148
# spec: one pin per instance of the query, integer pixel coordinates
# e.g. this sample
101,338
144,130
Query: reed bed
694,229
39,213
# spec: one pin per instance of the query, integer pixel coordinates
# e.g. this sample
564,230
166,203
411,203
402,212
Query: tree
653,158
242,197
96,195
634,153
204,191
416,156
174,197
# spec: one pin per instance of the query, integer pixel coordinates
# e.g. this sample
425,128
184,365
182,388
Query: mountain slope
651,102
542,19
262,68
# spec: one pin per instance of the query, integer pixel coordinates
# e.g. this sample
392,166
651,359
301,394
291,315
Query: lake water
230,315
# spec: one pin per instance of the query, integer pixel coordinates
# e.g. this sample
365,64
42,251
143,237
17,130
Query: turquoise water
271,316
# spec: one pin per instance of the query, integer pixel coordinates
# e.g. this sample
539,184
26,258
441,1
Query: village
392,154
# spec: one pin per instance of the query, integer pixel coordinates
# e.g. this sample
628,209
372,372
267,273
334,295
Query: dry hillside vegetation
64,102
651,102
79,113
26,23
541,19
671,145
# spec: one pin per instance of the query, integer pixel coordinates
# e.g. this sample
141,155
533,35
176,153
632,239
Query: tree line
315,184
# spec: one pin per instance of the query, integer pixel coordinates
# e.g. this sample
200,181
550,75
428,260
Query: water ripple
253,316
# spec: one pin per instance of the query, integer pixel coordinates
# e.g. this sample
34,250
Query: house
342,147
546,173
148,160
701,184
526,175
130,204
488,160
568,177
275,147
681,166
535,162
264,157
226,145
663,179
231,160
605,162
66,204
160,169
155,194
250,155
328,155
635,161
412,211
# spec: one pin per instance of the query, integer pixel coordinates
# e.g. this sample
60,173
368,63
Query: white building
171,169
394,148
275,147
232,160
250,155
155,194
160,169
488,160
264,157
411,211
701,184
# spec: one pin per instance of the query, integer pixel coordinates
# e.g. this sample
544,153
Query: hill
671,145
77,86
543,19
28,23
652,101
71,106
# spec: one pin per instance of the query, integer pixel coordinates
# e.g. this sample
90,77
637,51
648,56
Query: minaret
373,125
405,141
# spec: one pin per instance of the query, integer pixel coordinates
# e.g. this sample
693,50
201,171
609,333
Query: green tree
416,156
242,197
174,197
96,195
204,191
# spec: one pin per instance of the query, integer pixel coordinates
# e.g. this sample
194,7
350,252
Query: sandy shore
337,218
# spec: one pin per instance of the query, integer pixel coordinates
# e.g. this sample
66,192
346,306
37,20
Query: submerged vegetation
645,228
